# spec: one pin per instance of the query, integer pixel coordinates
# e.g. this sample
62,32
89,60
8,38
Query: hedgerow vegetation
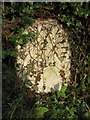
71,102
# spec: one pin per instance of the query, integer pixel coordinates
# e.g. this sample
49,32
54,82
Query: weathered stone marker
44,63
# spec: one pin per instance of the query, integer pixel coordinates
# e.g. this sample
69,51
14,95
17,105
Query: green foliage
40,112
22,39
62,93
72,101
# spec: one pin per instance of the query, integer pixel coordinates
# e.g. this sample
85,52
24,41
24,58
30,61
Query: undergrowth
71,102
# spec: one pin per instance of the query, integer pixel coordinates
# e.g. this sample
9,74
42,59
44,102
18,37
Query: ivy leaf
41,111
62,92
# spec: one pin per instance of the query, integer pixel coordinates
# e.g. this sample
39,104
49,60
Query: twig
76,33
87,106
75,78
85,96
3,7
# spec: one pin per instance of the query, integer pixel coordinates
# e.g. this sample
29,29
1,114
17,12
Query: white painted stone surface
45,61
